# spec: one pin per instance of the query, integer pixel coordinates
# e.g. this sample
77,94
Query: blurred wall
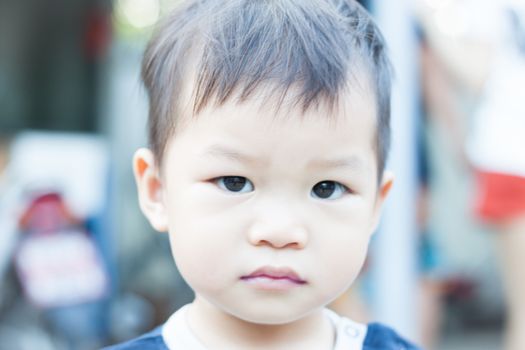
50,52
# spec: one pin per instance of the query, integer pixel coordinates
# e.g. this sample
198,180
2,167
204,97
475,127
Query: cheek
346,256
344,248
202,242
201,261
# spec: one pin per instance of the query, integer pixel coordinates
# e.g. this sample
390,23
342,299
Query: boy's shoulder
381,337
150,341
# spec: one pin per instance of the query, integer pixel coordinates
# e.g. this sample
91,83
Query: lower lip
275,284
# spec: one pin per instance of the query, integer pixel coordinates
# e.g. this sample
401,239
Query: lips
274,277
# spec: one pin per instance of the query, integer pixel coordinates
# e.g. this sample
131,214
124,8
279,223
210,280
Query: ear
382,193
149,188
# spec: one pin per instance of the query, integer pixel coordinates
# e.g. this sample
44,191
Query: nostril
263,242
279,245
291,236
294,245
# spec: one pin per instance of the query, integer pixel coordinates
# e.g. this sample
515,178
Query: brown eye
328,190
237,184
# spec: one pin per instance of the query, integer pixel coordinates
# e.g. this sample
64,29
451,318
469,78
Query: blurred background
80,267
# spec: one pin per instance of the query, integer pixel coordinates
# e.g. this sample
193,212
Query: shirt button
352,332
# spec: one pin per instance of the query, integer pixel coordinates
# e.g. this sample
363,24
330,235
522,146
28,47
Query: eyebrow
352,163
228,153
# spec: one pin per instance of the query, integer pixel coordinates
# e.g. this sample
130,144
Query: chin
270,317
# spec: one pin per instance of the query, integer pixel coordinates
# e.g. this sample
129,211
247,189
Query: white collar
177,334
349,335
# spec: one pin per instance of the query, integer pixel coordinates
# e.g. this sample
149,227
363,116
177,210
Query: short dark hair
234,47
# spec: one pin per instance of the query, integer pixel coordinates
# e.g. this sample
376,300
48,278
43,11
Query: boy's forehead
278,103
264,114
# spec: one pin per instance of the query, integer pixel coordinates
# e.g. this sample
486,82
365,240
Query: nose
278,233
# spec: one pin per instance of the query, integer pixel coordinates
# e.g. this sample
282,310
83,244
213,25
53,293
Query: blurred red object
97,34
499,197
47,213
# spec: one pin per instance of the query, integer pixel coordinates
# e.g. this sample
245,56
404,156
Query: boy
269,129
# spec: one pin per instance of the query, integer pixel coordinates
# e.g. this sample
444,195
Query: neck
217,329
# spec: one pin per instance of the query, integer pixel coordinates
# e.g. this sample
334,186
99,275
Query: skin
219,236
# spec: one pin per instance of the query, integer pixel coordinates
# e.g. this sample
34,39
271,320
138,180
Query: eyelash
236,180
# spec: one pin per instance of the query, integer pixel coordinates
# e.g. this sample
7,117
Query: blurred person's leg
511,240
430,297
430,312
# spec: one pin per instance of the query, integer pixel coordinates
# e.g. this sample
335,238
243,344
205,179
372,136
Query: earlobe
149,188
382,193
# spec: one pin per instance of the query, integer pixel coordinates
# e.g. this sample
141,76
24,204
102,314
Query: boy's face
269,216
